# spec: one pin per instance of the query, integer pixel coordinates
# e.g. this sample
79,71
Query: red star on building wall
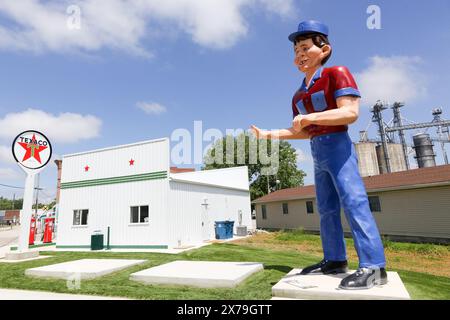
131,162
86,169
32,149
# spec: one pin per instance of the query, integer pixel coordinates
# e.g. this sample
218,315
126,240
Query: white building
131,190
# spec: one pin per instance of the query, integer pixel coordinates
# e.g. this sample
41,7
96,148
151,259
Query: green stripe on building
114,180
41,245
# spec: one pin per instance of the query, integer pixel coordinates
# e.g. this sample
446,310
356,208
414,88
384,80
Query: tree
245,150
6,204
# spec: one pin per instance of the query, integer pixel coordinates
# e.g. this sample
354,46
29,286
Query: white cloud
284,8
392,79
302,156
6,155
41,26
8,174
151,107
65,127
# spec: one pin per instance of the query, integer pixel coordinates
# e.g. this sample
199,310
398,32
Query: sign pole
26,213
32,151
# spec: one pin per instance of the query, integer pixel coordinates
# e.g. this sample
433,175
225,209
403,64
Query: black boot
327,267
364,278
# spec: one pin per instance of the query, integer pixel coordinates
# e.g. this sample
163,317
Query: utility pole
14,200
37,196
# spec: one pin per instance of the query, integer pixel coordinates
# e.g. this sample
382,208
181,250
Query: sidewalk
13,294
8,238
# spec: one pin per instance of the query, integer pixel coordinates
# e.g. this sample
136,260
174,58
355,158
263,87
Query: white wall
175,206
186,210
148,156
109,204
236,177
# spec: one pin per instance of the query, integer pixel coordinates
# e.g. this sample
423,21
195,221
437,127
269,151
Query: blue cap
309,26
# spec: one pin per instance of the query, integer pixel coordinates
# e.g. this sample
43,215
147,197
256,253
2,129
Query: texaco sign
32,149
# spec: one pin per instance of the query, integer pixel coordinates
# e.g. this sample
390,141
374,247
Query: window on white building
139,214
309,207
285,208
80,217
264,212
374,203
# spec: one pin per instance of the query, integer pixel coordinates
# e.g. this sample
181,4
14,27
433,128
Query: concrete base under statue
326,287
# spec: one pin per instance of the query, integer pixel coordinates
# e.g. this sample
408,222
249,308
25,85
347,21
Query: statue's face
308,56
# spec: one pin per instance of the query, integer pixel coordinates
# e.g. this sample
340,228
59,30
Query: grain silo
367,156
367,159
396,158
424,150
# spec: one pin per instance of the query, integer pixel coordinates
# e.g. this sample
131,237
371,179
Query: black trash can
97,241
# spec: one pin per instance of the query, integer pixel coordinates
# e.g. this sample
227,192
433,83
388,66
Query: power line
5,185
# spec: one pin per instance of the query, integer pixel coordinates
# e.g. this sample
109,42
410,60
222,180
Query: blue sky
228,66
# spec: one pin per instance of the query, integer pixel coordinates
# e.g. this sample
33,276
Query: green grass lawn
258,286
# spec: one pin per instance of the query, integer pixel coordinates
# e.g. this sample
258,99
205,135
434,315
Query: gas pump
48,231
32,231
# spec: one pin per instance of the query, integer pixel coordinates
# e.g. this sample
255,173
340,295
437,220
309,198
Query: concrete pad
204,274
320,287
21,255
279,298
84,268
234,238
24,260
172,250
12,294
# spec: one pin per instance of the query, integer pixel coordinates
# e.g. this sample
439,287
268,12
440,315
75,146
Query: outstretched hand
258,133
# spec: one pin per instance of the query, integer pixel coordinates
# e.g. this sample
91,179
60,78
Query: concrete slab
18,255
13,294
235,238
84,268
173,250
204,274
24,260
321,287
279,298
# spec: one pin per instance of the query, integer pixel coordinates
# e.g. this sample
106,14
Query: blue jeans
338,183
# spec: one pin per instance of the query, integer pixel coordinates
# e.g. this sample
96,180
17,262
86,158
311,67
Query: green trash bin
97,241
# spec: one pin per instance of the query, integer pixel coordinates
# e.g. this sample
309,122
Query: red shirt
327,85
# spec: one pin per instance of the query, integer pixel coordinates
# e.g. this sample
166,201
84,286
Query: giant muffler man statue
323,107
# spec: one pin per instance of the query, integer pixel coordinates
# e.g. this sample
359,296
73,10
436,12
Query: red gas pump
48,231
32,231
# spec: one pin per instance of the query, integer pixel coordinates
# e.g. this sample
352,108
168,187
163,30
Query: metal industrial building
411,205
385,155
131,190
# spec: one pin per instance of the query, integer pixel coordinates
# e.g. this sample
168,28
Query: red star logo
32,149
131,162
86,169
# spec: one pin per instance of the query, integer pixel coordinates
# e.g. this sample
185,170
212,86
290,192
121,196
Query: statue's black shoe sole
336,271
330,271
368,285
